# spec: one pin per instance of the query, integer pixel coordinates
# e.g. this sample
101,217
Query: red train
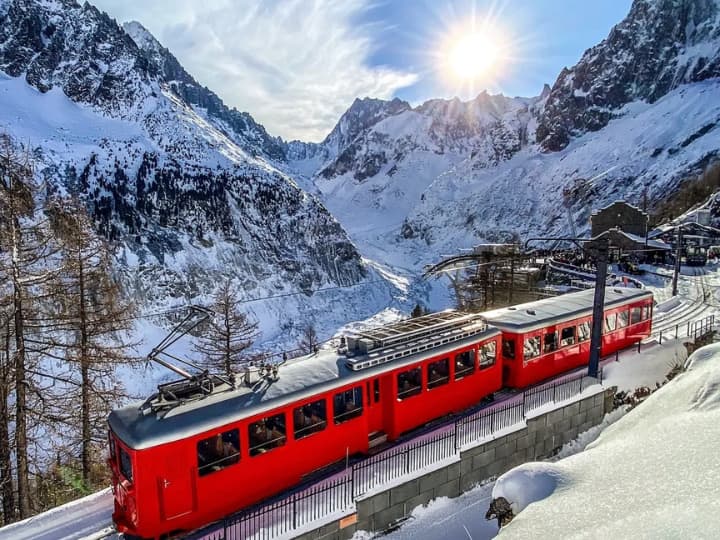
181,461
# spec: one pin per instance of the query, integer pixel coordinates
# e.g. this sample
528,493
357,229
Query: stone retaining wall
542,436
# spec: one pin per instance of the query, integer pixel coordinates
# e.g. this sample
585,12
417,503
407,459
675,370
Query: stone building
620,214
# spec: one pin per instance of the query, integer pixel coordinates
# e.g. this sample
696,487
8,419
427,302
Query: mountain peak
142,36
660,45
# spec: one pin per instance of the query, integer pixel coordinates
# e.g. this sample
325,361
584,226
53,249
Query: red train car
178,466
547,337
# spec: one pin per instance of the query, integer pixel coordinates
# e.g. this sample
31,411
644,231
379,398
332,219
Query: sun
472,55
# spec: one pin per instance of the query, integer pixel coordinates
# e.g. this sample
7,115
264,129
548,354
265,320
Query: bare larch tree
95,321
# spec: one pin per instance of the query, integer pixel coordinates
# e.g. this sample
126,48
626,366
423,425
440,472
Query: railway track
698,302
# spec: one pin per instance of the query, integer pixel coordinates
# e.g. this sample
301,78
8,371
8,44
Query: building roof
615,203
533,315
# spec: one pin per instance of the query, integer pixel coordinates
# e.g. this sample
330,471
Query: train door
175,489
376,424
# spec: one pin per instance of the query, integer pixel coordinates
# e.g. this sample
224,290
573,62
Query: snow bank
527,484
652,474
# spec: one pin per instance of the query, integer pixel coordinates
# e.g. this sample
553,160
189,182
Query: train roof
549,311
299,379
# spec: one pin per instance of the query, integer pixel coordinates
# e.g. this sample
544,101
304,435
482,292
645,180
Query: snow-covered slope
660,45
653,474
185,187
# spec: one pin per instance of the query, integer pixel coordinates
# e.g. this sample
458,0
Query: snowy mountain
660,45
184,186
638,114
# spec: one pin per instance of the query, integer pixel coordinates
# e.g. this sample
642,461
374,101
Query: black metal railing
695,329
556,391
484,423
398,462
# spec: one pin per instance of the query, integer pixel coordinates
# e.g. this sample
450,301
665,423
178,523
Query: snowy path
89,518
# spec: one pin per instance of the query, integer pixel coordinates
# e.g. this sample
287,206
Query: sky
297,65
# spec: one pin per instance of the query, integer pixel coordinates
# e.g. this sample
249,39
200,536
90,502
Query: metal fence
392,464
694,329
484,423
541,395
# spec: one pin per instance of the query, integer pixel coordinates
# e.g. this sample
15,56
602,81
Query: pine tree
95,321
309,341
224,343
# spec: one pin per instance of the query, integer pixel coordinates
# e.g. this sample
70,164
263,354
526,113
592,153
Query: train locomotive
177,466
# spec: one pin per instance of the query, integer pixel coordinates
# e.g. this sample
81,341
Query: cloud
295,65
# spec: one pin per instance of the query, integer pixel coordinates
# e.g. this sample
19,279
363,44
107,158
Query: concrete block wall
543,435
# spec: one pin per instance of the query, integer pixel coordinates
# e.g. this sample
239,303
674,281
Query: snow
88,518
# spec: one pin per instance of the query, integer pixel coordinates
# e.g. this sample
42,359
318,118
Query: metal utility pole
601,249
678,255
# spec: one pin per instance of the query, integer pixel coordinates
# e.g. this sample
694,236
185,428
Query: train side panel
535,356
451,391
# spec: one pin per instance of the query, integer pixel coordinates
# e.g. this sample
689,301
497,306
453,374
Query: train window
610,323
647,312
126,465
531,348
438,373
622,319
567,336
219,451
464,364
309,419
266,434
409,383
488,354
376,390
508,348
111,445
635,315
550,342
348,405
583,331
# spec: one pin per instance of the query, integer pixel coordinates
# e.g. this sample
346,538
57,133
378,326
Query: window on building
583,331
126,465
508,348
438,373
409,383
464,364
567,336
635,315
622,319
309,419
347,405
550,342
267,434
610,323
531,347
219,451
488,353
